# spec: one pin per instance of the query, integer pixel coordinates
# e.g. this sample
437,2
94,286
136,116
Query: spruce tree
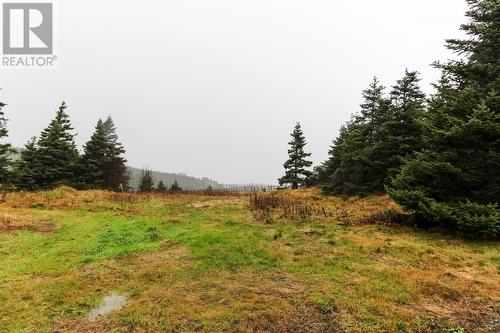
355,165
161,186
57,153
348,177
401,132
454,180
146,181
5,150
114,170
115,148
94,159
296,167
372,110
333,162
175,186
27,168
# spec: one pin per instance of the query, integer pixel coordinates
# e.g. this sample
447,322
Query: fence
221,191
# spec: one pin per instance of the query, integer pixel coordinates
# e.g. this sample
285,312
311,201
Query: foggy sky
213,88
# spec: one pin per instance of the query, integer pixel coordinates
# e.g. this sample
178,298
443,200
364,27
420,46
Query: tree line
437,156
147,183
52,159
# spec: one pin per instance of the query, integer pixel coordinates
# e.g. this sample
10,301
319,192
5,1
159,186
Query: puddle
109,303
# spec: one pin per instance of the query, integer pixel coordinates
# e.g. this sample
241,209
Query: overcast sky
213,88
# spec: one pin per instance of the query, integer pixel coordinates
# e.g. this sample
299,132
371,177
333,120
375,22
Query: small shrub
277,235
37,205
331,242
325,306
152,234
456,330
231,223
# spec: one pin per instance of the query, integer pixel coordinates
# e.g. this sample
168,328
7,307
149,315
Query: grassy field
291,262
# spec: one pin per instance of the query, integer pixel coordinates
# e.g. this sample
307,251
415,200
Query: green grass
215,268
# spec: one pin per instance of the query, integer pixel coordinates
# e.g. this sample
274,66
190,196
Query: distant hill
186,182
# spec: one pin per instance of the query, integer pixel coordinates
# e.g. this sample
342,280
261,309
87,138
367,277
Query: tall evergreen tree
372,110
57,152
401,133
455,180
27,168
346,161
296,167
94,159
146,181
333,162
115,148
373,144
114,170
5,149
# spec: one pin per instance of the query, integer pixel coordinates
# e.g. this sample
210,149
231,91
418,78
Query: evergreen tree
296,171
5,149
115,173
355,165
94,159
146,182
317,177
374,143
161,186
455,180
372,110
115,148
401,133
27,167
333,162
175,186
57,153
346,161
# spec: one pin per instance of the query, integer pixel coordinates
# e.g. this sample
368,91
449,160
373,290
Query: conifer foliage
455,179
27,167
175,186
5,149
57,153
94,159
296,167
146,182
373,144
54,160
115,174
161,186
439,159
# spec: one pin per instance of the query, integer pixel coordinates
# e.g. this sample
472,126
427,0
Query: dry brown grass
14,220
310,203
211,203
127,204
68,198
